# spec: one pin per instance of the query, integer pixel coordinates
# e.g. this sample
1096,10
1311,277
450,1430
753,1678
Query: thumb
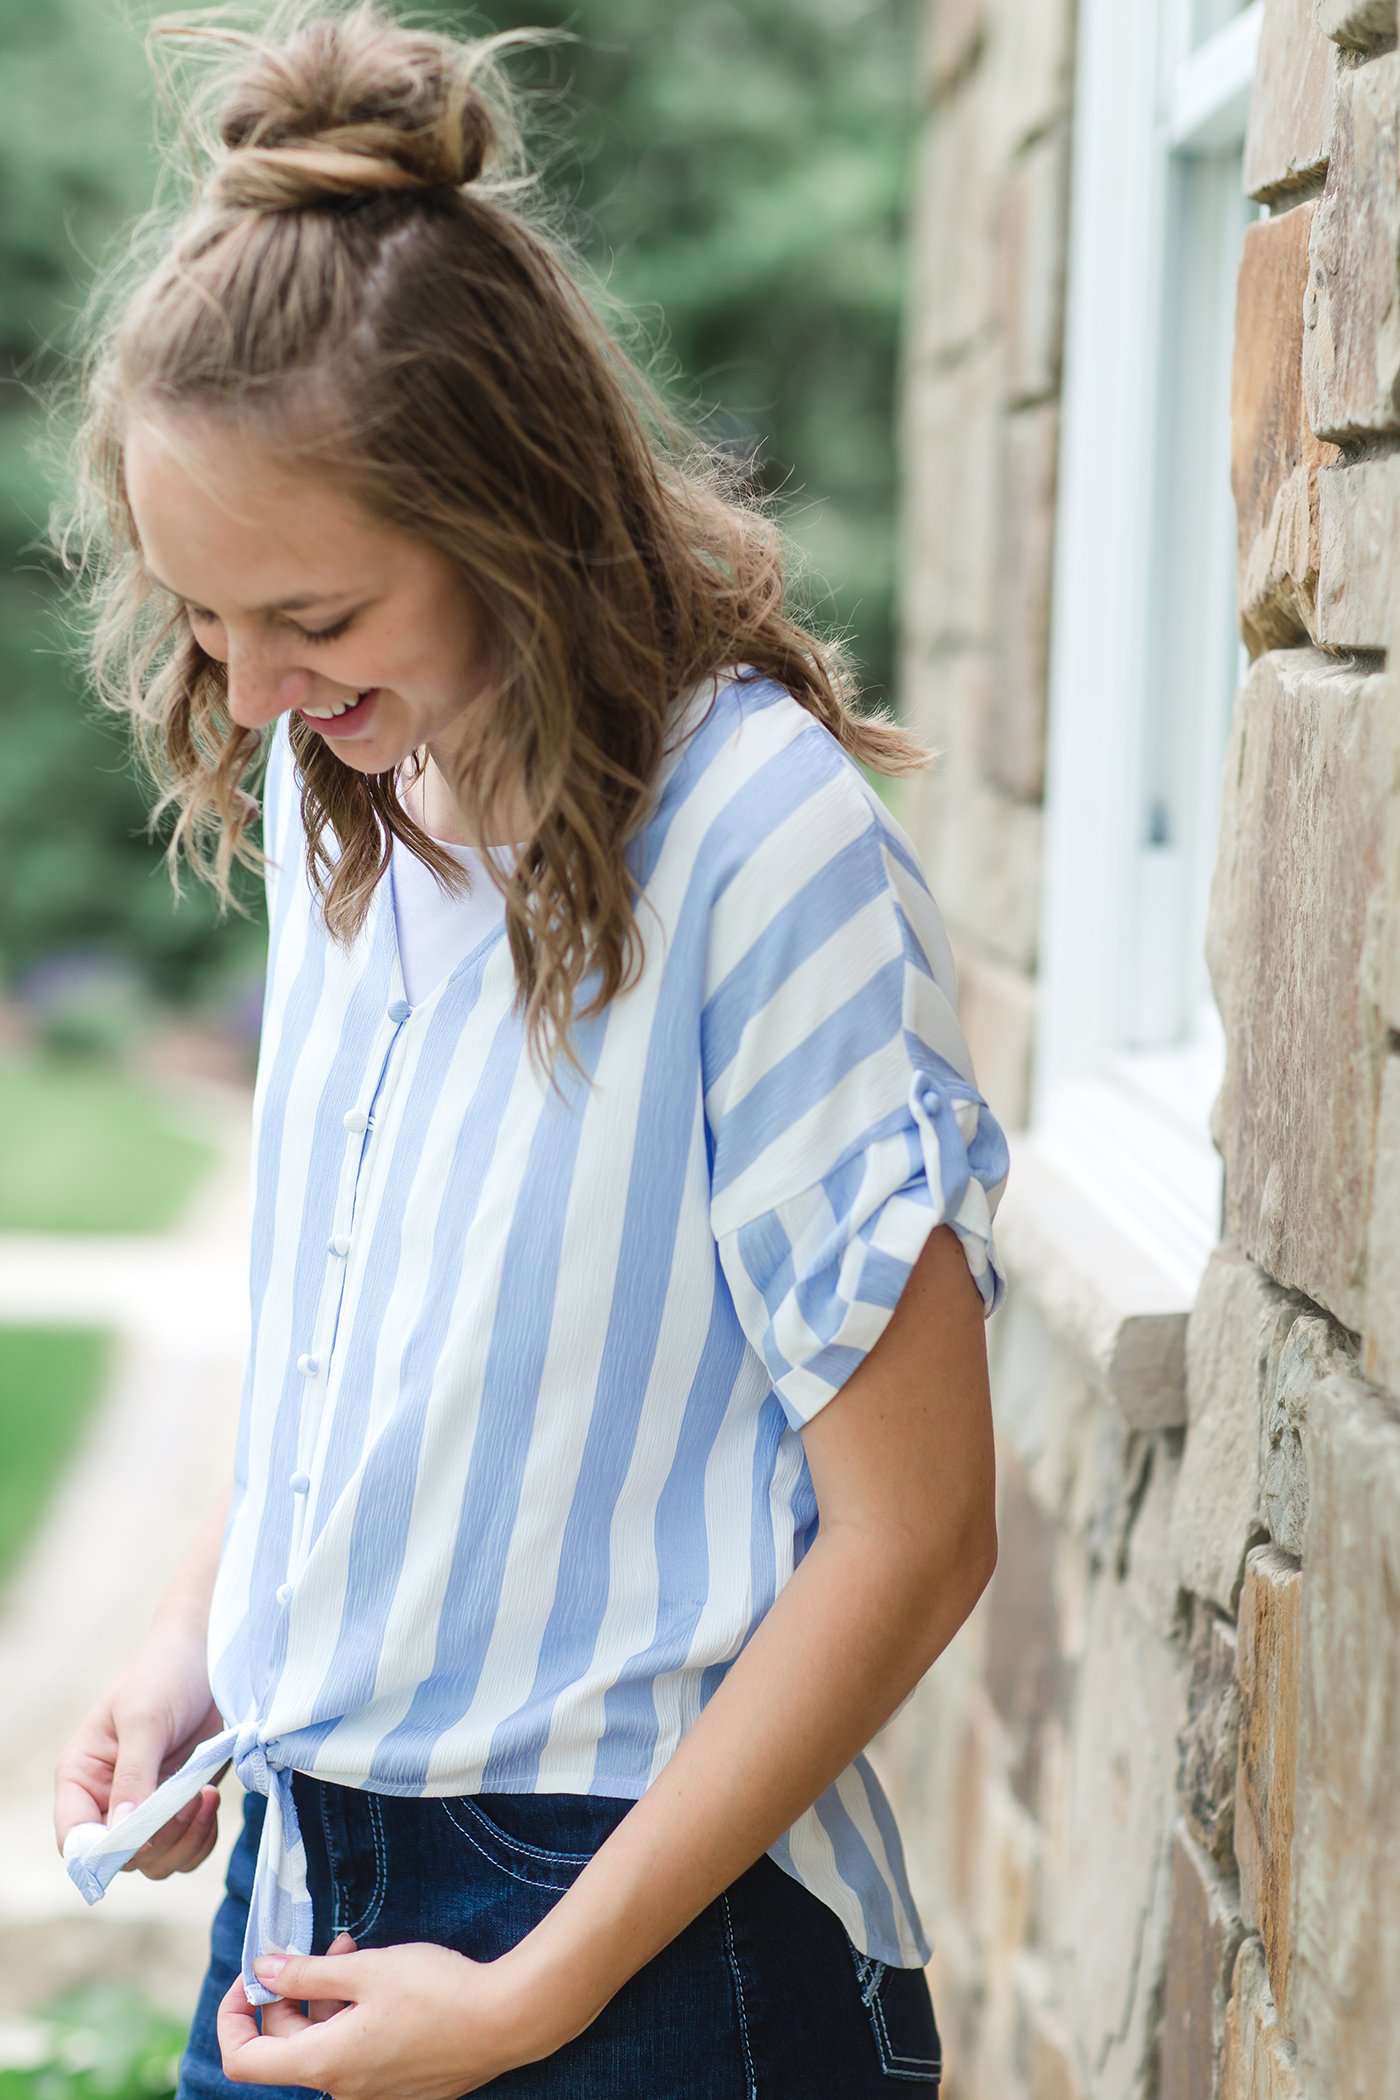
136,1772
329,1975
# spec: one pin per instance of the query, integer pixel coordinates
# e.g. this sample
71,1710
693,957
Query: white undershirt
435,930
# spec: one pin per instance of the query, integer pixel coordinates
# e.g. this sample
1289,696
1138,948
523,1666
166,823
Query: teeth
328,714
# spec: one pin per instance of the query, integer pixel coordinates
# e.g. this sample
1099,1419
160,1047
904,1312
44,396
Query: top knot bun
347,107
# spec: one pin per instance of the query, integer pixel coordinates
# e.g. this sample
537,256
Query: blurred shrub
85,1003
101,2042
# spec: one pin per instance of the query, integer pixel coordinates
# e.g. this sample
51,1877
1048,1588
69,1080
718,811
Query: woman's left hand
418,2021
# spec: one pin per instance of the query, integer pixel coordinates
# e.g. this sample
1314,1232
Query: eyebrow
302,603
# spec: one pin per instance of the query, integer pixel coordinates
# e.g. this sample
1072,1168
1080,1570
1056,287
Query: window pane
1193,663
1207,16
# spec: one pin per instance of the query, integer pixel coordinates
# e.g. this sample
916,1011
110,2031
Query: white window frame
1145,652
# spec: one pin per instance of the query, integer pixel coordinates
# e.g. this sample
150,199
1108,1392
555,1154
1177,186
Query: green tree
76,162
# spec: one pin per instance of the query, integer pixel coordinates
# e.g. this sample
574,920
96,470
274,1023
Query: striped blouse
519,1467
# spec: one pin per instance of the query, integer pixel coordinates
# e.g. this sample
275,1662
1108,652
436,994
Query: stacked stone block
1300,945
1150,1788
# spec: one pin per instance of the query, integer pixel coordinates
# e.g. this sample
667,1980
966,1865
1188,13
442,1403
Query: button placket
313,1363
298,1485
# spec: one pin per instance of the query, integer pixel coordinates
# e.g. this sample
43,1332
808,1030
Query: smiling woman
615,1448
358,358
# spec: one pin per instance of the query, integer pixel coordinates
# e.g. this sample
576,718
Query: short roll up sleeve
845,1123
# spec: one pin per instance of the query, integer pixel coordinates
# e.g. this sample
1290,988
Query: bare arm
903,1466
190,1589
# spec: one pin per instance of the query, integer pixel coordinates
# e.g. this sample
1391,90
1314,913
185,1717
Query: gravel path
158,1448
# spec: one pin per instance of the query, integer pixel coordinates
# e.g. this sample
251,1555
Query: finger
323,2009
326,2008
244,2050
192,1860
284,2016
235,2021
136,1772
153,1853
273,2059
82,1776
321,1975
195,1843
74,1803
156,1852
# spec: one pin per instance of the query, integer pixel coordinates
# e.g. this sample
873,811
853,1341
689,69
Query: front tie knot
250,1758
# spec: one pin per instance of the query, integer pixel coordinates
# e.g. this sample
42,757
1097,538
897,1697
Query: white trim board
1143,648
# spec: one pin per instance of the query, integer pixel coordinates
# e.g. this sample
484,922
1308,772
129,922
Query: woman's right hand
137,1734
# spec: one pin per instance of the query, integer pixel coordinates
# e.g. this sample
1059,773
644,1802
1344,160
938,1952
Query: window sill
1103,1289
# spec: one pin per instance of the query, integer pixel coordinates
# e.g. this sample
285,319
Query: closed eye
323,634
326,634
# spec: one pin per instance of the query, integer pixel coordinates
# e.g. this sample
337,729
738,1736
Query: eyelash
324,634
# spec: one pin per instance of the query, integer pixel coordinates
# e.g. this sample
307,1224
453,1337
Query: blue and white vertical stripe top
519,1466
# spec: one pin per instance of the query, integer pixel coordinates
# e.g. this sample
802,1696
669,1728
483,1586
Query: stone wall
1149,1790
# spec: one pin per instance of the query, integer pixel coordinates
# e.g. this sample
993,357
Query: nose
257,695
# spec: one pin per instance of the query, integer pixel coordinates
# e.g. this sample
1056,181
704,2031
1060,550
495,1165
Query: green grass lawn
88,1148
49,1379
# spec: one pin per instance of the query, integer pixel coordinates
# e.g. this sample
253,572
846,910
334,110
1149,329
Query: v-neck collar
383,923
384,935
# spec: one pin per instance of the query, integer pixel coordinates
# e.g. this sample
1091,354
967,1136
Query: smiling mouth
344,707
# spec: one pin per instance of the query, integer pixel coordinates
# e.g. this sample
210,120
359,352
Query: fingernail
268,1966
123,1808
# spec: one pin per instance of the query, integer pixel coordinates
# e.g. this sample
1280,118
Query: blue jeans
763,1996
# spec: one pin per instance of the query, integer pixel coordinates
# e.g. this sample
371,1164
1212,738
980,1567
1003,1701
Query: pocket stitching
870,1975
528,1880
919,2064
869,1971
504,1837
337,1891
376,1901
733,1957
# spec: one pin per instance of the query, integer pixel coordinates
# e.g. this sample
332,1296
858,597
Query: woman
615,1451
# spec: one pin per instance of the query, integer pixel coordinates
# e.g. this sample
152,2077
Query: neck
428,800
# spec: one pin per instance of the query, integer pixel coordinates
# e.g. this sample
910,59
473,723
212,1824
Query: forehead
205,501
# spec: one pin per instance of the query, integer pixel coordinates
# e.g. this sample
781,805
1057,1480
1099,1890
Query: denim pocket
899,2006
352,1830
547,1839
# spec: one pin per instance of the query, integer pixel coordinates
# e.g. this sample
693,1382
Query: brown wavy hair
367,278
